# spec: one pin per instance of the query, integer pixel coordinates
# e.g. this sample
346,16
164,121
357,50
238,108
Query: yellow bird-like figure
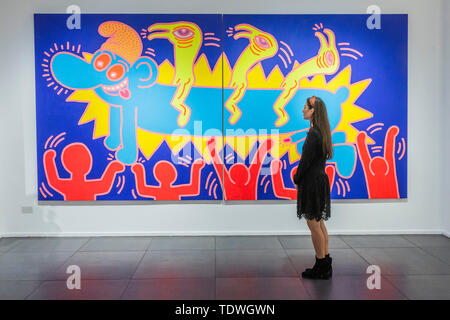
186,38
262,45
325,62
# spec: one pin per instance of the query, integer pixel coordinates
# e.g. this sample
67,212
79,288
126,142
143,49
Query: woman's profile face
307,112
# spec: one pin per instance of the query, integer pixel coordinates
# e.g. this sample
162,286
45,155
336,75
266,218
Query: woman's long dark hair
320,120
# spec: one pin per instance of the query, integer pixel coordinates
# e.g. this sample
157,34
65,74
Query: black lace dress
313,196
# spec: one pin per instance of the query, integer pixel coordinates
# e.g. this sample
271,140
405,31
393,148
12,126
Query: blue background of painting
384,61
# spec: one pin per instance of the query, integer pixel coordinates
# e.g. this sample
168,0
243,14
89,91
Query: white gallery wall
425,210
445,197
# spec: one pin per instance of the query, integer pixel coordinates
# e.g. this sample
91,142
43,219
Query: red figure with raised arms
380,173
240,182
77,160
281,191
165,173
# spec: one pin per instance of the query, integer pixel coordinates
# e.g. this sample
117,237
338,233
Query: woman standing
313,196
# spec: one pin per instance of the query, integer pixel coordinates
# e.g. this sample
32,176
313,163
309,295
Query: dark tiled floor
225,267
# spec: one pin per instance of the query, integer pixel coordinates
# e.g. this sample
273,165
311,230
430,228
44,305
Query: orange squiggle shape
122,40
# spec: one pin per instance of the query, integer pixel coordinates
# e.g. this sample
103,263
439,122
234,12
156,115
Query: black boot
330,267
319,271
330,262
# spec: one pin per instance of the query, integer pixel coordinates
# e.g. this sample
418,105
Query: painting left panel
127,106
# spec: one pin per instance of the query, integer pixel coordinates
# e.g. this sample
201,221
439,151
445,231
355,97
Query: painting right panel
357,64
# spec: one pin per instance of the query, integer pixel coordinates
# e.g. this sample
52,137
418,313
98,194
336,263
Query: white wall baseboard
252,233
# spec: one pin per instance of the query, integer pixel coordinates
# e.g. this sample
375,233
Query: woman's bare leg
318,238
325,235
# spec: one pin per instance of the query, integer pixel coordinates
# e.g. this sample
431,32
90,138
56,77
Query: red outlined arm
194,187
104,184
389,146
331,173
141,187
218,165
261,153
51,171
278,185
363,152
